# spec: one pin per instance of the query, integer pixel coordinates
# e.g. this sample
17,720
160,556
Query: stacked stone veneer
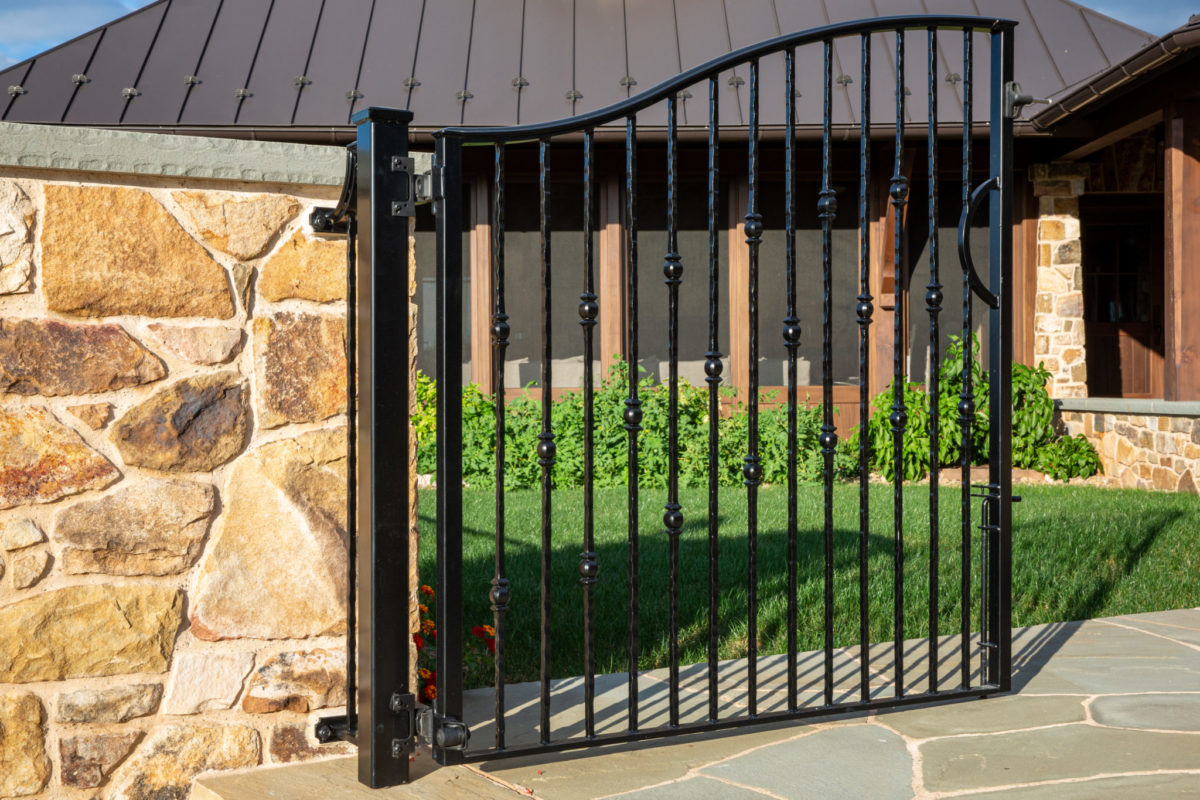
1143,451
172,482
1058,314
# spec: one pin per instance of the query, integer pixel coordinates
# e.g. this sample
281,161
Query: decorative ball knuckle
828,440
827,206
752,471
673,267
499,596
713,367
791,332
633,415
500,330
673,519
589,568
865,309
966,408
753,227
899,190
589,309
898,419
933,298
546,450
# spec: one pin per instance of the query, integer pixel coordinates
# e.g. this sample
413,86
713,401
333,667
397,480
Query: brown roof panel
1076,57
1112,36
653,54
442,62
752,21
231,48
495,64
703,35
48,86
600,63
175,54
282,59
331,71
390,53
115,67
548,61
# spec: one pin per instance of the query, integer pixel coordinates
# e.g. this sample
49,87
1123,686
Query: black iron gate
553,713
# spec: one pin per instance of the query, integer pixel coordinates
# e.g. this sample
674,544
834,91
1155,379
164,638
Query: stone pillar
1058,314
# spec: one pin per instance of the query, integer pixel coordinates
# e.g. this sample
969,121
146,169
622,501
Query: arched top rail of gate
713,68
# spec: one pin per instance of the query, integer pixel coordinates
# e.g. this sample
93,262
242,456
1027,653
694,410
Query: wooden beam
1114,136
611,274
1182,234
1025,222
480,265
739,287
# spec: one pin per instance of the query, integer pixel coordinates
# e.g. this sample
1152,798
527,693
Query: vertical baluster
500,588
827,211
589,564
673,514
791,340
752,471
933,304
864,309
966,400
713,367
546,447
633,405
899,415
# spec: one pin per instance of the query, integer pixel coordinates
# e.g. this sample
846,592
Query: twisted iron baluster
933,304
864,309
899,415
633,406
791,340
966,399
546,448
752,470
713,367
673,515
589,565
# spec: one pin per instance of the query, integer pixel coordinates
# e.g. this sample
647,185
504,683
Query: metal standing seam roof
298,69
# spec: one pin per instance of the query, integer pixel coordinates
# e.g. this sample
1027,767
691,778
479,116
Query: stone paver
1101,709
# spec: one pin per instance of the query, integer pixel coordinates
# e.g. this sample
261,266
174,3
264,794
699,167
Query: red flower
429,693
478,631
491,645
418,641
426,590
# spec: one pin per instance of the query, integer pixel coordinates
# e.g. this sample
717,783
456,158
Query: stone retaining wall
172,480
1143,451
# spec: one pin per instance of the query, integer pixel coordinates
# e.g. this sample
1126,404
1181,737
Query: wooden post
478,206
739,287
611,273
1182,262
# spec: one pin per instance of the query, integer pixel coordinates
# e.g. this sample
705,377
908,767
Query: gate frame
384,719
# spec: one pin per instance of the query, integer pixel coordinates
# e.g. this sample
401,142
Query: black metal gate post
386,706
998,638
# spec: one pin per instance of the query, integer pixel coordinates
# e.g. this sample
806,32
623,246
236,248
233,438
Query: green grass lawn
1079,552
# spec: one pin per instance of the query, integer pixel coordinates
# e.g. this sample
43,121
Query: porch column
478,206
611,274
739,287
1182,253
1058,324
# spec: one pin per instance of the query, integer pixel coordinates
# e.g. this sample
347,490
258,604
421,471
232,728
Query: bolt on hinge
404,204
445,733
1015,100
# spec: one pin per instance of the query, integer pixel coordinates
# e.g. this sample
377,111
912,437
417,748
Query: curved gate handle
964,241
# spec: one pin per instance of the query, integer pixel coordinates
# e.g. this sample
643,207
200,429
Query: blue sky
28,27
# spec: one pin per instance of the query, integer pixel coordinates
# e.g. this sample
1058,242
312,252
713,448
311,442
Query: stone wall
1058,313
172,480
1143,451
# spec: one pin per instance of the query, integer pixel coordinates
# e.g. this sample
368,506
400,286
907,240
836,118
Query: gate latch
1015,100
448,734
404,706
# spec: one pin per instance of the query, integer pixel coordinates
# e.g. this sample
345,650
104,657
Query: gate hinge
404,706
448,734
1015,100
412,188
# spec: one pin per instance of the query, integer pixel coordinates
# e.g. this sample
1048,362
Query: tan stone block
1065,206
151,267
1187,483
1191,450
16,534
1069,305
1180,466
51,357
109,703
16,238
1044,253
1061,340
1108,445
88,760
1050,281
206,681
1068,252
1164,423
1039,172
1050,324
300,363
1044,303
171,756
95,415
283,526
307,269
29,567
1071,354
193,425
148,528
1041,344
290,743
202,344
1144,470
86,631
1050,229
1051,363
24,767
1125,451
297,681
1145,440
1164,479
241,226
41,460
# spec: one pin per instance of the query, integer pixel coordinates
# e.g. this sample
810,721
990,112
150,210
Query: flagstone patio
1106,708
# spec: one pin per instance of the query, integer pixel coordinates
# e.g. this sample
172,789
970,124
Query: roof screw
354,94
463,96
574,95
191,80
301,81
627,82
242,94
79,79
16,91
907,92
520,82
953,78
130,92
684,95
844,80
737,80
411,83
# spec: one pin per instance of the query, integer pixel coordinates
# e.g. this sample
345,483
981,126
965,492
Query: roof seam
200,60
521,63
416,51
462,111
1095,38
253,61
24,78
362,56
1049,54
145,59
307,61
86,66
